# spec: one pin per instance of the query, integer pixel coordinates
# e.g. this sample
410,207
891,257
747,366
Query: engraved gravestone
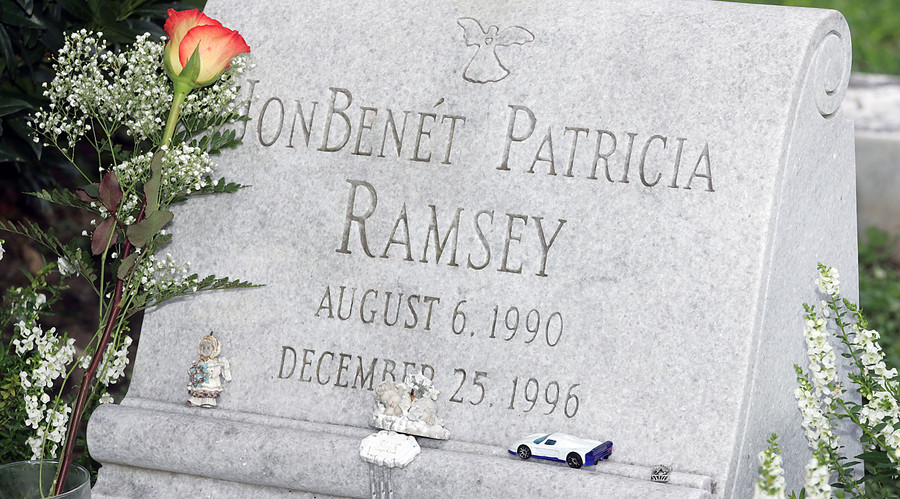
599,218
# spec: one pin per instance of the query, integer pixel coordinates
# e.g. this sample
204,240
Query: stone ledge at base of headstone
222,457
128,482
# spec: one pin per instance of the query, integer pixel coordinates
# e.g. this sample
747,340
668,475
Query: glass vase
34,479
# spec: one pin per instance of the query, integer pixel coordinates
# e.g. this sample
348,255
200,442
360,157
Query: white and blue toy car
574,451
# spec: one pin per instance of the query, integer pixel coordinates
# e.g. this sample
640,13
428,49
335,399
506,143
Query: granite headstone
599,218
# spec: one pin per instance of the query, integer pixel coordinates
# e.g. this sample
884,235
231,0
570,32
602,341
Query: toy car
574,451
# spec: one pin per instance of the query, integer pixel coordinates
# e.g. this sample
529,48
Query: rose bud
199,48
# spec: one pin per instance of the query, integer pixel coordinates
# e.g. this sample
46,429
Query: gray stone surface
676,277
873,103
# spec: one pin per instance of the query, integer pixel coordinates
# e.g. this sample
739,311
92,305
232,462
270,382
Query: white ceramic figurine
409,407
205,373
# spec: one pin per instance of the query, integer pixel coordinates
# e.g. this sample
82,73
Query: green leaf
875,457
192,69
105,235
6,49
151,187
214,142
27,6
18,126
161,241
18,18
9,153
29,229
94,6
220,187
92,190
206,284
9,105
82,262
62,197
126,265
140,233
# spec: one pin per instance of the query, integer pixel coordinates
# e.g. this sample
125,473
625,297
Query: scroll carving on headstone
831,73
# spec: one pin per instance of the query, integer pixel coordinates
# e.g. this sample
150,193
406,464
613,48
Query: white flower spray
771,474
820,398
46,356
818,472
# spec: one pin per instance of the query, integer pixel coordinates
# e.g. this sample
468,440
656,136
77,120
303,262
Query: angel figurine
205,373
485,66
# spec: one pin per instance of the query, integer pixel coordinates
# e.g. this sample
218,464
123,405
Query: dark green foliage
220,187
218,140
62,197
208,283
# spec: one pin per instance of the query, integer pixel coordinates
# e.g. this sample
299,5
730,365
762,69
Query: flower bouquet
154,114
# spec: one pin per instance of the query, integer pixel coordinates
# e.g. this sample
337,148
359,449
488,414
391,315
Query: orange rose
199,47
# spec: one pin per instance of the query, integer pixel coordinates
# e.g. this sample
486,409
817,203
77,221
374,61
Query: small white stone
388,448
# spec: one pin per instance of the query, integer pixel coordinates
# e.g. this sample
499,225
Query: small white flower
770,483
64,267
828,281
817,475
1,249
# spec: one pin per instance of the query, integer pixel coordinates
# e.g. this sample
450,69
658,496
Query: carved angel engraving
485,66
